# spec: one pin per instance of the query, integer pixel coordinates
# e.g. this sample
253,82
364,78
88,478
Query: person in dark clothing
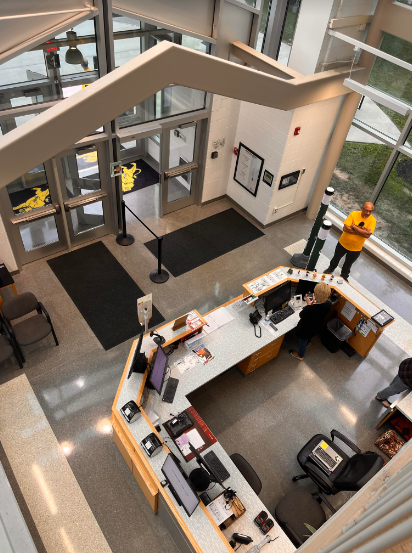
401,382
312,318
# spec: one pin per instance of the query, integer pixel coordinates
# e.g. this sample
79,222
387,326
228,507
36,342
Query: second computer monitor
277,297
157,374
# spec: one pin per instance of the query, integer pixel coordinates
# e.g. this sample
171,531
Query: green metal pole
301,259
320,241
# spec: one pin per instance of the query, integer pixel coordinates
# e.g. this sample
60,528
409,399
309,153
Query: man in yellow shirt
357,227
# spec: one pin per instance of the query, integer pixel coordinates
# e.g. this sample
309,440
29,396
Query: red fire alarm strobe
235,151
297,131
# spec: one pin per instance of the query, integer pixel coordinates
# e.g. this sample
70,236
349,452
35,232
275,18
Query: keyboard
170,390
325,458
282,314
213,460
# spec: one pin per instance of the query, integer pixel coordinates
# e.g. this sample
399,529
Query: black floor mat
192,246
137,175
103,292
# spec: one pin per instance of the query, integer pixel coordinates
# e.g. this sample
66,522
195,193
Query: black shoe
328,271
345,278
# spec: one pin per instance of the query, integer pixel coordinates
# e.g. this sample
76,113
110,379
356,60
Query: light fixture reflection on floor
104,426
67,448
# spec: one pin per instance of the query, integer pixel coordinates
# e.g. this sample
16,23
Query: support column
366,60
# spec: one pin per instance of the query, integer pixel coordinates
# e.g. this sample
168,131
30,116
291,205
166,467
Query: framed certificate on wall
248,169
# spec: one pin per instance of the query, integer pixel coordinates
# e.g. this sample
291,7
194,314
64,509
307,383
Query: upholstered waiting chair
7,346
30,330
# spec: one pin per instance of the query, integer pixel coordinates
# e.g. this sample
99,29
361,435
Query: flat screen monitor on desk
138,363
305,287
157,374
277,297
179,484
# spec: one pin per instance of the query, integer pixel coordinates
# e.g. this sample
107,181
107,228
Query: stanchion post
124,239
160,275
301,259
320,242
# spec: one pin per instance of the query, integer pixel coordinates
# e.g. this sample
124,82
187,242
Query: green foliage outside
291,21
265,15
392,79
356,175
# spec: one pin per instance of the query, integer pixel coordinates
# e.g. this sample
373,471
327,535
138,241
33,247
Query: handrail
54,130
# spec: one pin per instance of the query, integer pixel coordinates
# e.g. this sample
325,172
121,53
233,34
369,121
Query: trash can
334,334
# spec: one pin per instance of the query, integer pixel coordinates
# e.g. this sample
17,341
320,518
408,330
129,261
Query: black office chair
7,346
350,475
298,508
30,330
248,473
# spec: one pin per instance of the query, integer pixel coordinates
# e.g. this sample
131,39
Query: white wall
264,131
6,254
223,124
305,151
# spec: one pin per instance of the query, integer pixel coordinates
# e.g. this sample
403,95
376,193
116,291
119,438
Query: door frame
20,254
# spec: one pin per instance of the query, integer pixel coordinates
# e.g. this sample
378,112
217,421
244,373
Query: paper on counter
192,437
216,319
348,311
219,510
186,363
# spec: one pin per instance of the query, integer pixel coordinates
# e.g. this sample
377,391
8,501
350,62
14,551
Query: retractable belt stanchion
301,259
158,275
320,242
124,239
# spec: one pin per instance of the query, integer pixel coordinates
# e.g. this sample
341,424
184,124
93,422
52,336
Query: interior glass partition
131,38
288,31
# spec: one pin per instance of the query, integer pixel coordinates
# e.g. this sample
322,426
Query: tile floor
267,419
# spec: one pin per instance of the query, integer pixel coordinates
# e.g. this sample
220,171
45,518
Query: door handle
57,208
180,170
35,214
83,200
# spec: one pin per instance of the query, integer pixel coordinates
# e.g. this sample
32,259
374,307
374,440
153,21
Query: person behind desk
401,383
357,227
312,318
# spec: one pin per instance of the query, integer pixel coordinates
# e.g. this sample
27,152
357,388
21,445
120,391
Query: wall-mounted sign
267,177
289,180
248,169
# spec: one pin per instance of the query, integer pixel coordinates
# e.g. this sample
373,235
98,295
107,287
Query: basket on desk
390,443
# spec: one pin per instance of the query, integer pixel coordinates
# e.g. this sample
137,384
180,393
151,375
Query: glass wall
376,161
263,25
51,71
132,38
288,31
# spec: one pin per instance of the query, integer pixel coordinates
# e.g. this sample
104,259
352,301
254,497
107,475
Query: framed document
248,169
289,179
267,177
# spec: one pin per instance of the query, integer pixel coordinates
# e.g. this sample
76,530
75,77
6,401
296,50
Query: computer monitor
138,363
277,297
213,475
180,485
305,287
157,374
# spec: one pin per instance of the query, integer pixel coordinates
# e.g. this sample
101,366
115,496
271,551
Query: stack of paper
192,437
219,510
186,363
216,319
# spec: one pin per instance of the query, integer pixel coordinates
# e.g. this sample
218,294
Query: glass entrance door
61,203
84,185
32,214
180,154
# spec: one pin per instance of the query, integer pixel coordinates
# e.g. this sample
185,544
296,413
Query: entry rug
137,175
103,292
192,246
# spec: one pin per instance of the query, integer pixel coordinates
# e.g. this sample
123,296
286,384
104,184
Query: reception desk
232,344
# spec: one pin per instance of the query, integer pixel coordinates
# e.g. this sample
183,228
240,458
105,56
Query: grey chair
248,473
299,508
30,330
7,346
